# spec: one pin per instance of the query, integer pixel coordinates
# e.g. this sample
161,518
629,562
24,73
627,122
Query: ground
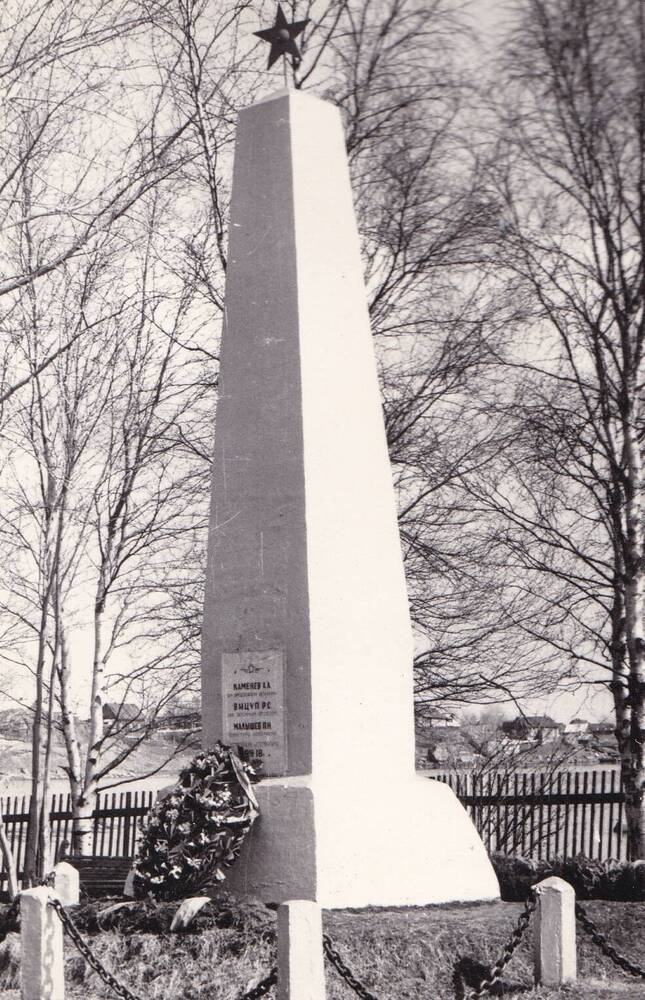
429,953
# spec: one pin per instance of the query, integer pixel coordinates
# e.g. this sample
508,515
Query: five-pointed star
281,36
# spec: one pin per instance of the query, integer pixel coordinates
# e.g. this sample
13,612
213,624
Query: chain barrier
517,935
122,991
11,918
351,980
607,949
486,985
263,986
89,956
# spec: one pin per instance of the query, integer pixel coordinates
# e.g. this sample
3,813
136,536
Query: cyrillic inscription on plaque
253,707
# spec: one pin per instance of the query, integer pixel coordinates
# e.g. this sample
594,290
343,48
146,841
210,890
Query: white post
301,972
66,883
41,946
554,933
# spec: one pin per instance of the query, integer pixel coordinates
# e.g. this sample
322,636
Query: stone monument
307,643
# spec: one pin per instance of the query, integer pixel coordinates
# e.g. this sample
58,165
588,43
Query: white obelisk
307,645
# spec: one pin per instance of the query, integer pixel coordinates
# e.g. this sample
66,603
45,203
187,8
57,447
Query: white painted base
301,962
554,933
407,844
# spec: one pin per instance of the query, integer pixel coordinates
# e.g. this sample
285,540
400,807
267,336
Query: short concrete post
128,887
66,883
301,971
41,947
554,933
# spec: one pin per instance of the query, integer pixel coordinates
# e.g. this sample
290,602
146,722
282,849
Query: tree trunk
8,860
44,859
631,728
84,803
68,721
82,823
36,799
633,783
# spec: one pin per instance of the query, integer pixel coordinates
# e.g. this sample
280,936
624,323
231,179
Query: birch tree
101,502
568,188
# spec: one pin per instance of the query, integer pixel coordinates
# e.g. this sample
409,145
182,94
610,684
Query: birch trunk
44,860
84,805
630,725
36,800
82,824
8,860
70,735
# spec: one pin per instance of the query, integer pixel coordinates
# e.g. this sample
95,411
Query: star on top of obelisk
282,38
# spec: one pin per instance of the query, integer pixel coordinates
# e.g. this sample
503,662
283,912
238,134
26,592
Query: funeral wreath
195,830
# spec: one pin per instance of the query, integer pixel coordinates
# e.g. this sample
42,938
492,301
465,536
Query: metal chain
263,986
11,917
351,980
258,991
87,954
517,935
607,949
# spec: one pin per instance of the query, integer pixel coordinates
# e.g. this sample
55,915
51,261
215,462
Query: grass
424,953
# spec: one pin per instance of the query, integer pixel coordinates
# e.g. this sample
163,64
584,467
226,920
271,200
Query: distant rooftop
532,722
124,711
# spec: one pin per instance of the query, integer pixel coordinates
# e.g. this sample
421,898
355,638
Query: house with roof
576,727
431,715
181,715
602,729
535,728
15,724
120,711
603,738
448,754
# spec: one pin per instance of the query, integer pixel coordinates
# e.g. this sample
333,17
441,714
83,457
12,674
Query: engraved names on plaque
253,707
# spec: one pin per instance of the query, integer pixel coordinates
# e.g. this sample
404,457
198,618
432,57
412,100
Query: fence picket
611,817
583,814
601,830
576,783
619,828
558,814
19,857
592,818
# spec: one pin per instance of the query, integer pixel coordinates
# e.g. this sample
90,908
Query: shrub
195,832
615,880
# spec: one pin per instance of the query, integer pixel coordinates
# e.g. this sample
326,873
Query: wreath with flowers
194,832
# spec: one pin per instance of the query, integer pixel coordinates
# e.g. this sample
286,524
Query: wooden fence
538,815
546,814
115,824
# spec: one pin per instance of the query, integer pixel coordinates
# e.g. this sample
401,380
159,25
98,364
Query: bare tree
67,72
567,187
101,511
439,327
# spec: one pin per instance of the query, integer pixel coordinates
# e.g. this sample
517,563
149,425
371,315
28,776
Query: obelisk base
403,843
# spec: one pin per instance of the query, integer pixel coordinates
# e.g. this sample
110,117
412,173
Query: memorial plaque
253,707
